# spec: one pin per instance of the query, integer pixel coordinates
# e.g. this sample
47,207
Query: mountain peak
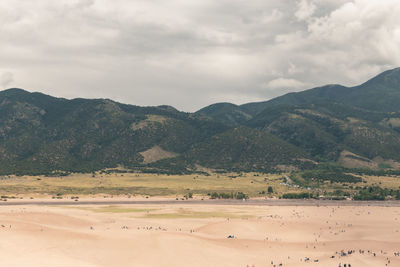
13,91
389,78
217,106
168,108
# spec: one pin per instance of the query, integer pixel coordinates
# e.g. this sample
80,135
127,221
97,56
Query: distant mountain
325,130
327,120
242,148
39,133
353,126
227,113
381,93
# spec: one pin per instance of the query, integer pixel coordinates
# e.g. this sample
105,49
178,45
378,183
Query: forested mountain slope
349,125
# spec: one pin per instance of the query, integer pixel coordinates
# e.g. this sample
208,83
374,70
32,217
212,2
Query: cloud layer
192,53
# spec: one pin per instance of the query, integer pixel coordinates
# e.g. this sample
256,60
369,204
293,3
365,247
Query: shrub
298,195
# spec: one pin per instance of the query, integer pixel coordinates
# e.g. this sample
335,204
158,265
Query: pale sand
77,236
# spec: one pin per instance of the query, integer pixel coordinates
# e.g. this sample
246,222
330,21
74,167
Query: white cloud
191,53
306,9
364,33
273,16
284,83
293,69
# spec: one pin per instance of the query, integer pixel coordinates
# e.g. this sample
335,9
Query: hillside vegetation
357,127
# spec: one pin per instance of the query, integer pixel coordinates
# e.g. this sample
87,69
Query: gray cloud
192,53
6,79
305,9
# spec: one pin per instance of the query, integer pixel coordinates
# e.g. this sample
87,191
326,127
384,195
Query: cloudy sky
191,53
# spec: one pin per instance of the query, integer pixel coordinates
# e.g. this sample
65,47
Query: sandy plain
197,235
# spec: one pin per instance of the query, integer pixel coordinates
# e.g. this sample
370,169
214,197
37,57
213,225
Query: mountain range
356,127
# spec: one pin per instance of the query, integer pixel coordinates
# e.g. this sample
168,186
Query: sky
192,53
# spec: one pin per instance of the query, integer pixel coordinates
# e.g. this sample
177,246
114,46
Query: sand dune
194,235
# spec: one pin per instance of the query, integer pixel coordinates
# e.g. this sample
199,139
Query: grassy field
131,184
137,184
385,182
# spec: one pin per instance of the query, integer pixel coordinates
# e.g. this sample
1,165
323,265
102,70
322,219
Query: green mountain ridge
353,126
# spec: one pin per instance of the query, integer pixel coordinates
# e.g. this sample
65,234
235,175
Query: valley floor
187,234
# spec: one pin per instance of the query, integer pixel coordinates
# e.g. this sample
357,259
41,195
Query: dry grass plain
139,184
196,235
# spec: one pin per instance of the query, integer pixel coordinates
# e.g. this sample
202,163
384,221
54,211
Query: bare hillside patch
151,120
156,153
351,160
